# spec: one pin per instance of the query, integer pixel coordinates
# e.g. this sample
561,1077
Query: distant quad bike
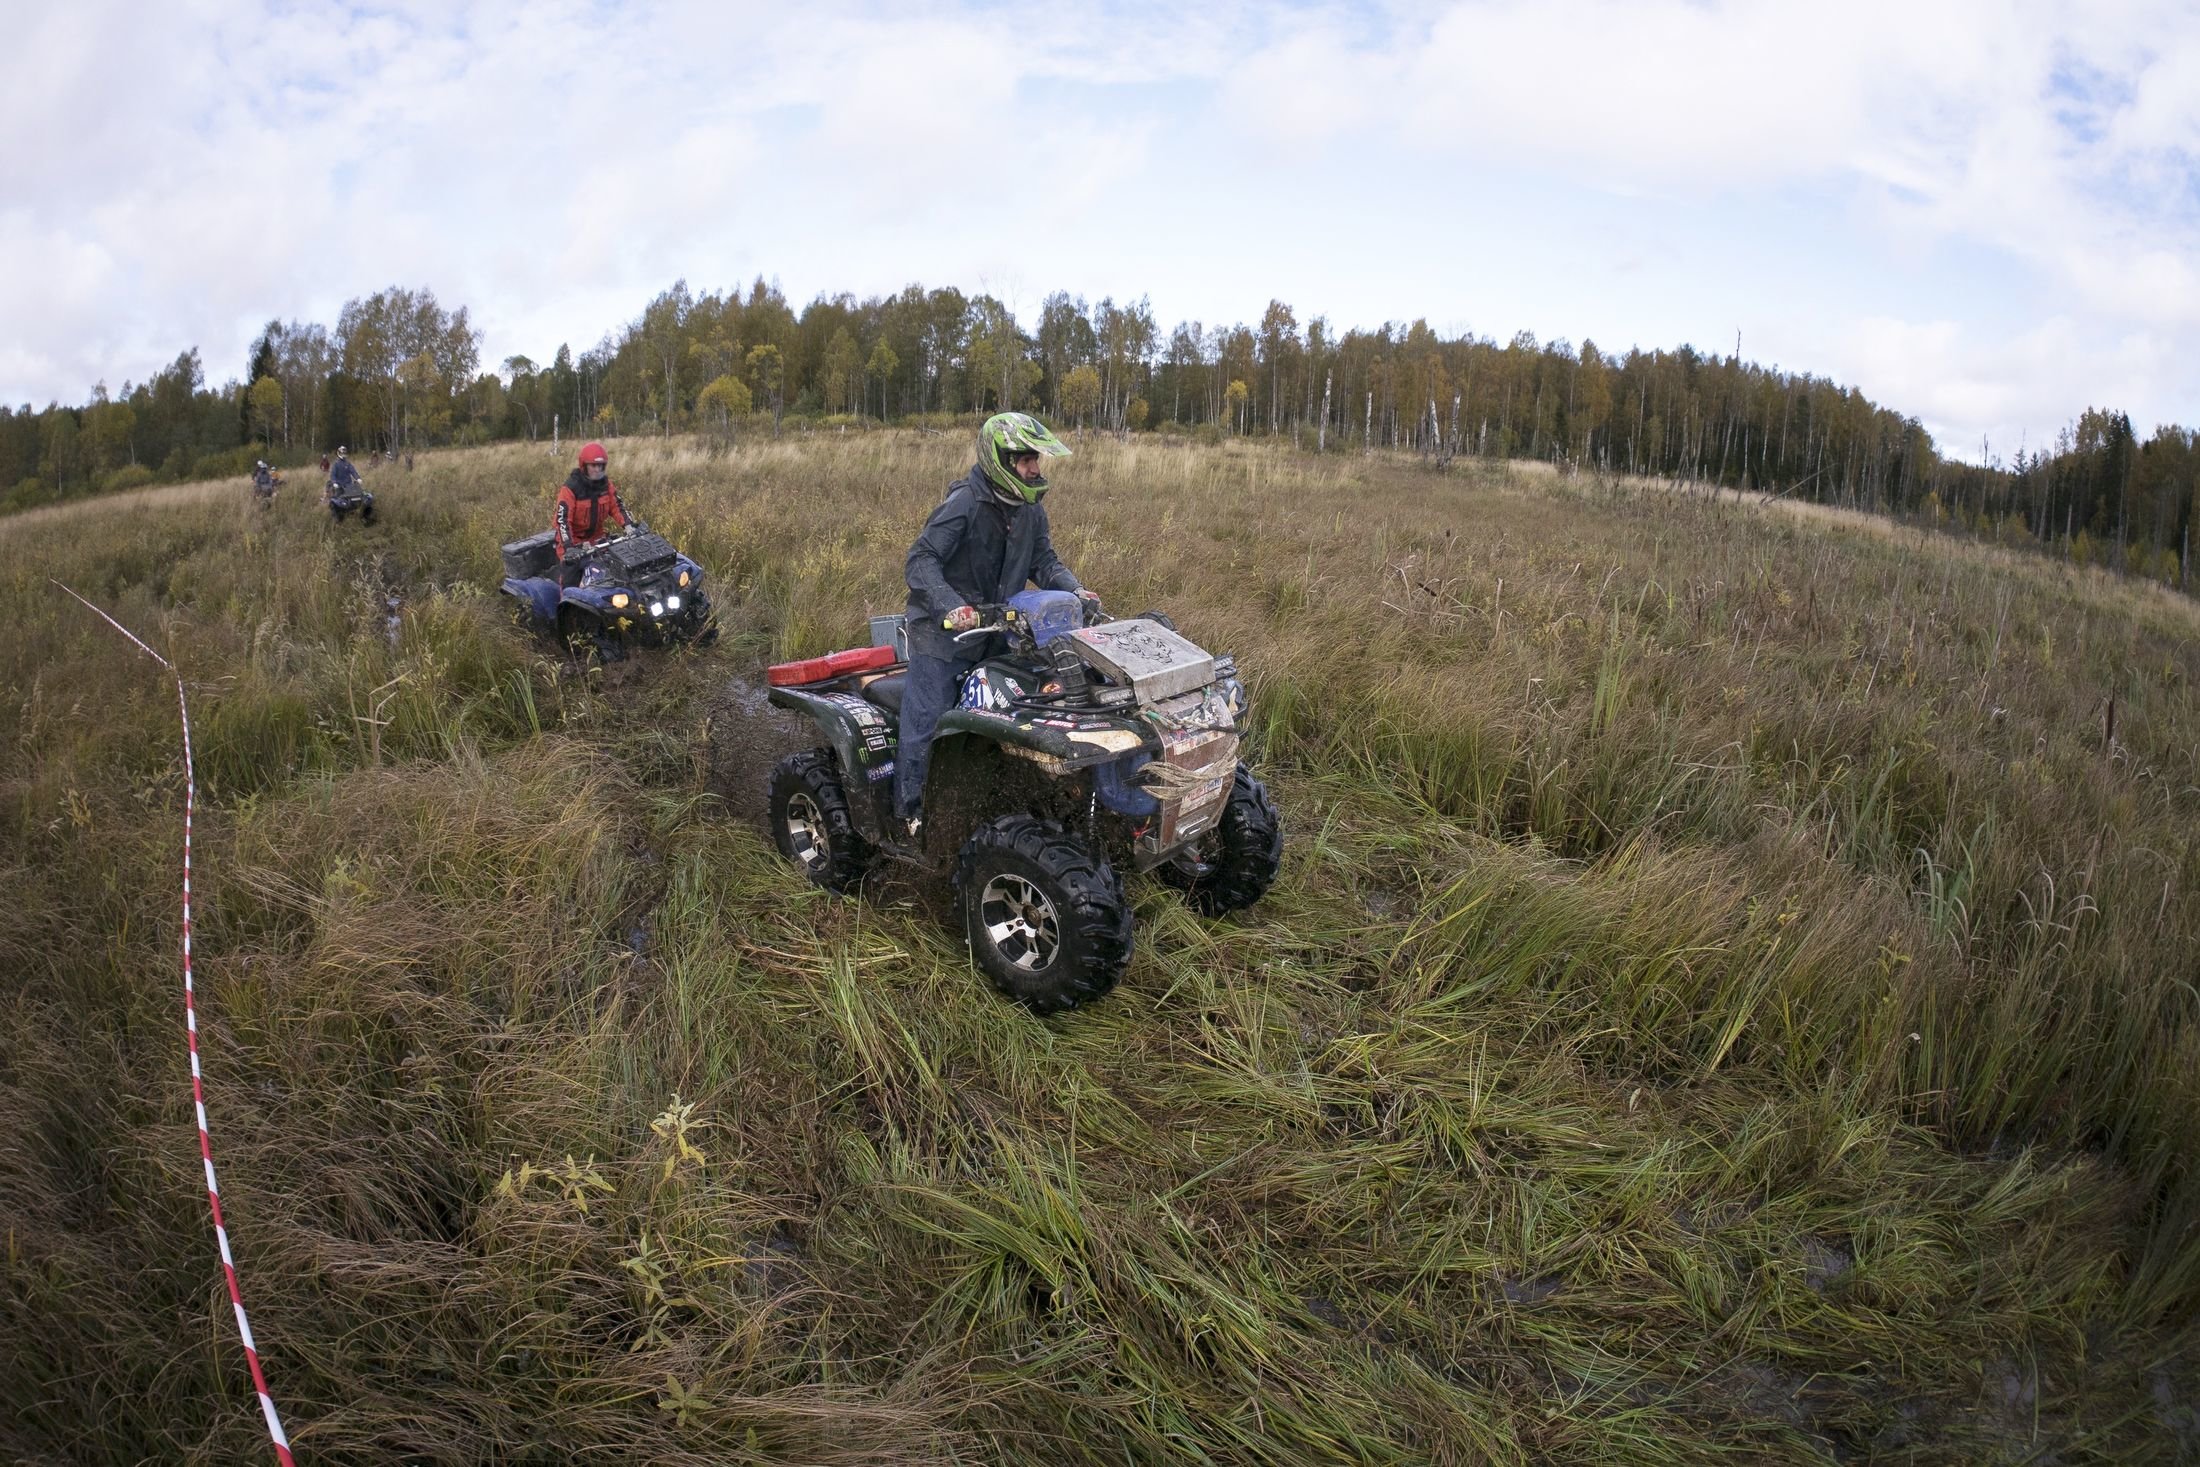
342,502
634,588
1078,752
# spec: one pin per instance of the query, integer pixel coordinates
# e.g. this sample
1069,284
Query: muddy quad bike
1079,751
353,496
634,587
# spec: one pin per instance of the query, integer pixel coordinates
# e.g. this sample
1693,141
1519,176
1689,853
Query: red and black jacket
585,510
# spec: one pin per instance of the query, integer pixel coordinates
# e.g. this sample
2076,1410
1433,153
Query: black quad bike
1076,753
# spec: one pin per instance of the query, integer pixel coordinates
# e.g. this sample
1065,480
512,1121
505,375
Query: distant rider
343,476
263,480
982,544
588,505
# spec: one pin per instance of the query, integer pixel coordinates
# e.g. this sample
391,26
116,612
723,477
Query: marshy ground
1730,997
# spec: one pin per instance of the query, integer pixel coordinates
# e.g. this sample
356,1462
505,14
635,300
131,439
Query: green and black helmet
1003,437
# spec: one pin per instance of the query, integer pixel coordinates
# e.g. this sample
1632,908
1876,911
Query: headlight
620,599
656,608
672,603
683,578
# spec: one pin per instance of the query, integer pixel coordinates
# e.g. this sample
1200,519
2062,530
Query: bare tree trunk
1367,430
1321,438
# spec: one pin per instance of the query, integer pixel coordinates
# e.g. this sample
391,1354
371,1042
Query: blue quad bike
635,589
1083,747
353,496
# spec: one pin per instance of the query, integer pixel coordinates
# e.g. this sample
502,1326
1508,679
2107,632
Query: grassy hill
1730,997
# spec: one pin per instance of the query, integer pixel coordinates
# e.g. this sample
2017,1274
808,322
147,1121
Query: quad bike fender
538,593
1080,742
862,739
596,598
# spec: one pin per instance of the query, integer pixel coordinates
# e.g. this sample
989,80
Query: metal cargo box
1153,661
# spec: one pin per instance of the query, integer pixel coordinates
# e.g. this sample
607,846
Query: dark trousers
569,571
933,686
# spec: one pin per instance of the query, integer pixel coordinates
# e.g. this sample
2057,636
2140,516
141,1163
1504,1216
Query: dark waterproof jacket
585,510
976,549
343,476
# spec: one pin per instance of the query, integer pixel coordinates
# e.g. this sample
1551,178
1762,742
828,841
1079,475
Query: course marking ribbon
191,1029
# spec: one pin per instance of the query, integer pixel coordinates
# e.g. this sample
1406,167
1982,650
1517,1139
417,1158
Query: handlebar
994,617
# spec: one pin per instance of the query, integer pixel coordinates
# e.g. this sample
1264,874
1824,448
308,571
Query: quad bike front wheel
1239,858
1045,915
583,632
810,824
705,621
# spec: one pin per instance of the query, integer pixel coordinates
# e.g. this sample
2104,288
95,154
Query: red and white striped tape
191,1027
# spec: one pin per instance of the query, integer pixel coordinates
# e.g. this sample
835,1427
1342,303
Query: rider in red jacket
588,506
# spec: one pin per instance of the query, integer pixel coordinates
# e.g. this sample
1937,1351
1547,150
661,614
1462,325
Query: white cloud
197,168
2021,386
2062,137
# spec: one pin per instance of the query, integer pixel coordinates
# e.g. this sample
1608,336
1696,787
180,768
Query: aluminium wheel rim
1020,921
806,836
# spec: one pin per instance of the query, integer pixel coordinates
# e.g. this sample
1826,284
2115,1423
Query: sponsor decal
870,723
987,689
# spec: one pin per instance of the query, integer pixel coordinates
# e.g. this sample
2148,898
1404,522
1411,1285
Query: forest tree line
398,370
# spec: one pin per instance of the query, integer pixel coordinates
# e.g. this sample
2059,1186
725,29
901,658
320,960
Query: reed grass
1730,997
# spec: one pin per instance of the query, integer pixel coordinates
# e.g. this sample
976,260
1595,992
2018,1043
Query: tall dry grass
1729,998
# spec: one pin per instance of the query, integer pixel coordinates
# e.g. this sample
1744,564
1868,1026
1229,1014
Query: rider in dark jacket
588,505
343,477
984,542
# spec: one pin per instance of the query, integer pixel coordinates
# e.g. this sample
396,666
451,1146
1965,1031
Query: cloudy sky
1985,214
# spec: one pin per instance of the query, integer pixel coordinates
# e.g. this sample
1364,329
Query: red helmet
592,453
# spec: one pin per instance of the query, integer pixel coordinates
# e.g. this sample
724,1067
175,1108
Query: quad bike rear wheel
1239,858
810,824
1045,915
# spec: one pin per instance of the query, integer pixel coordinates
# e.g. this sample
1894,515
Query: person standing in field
588,506
987,538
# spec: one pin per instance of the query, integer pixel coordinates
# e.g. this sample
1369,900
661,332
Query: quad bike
633,587
263,495
353,496
1079,751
